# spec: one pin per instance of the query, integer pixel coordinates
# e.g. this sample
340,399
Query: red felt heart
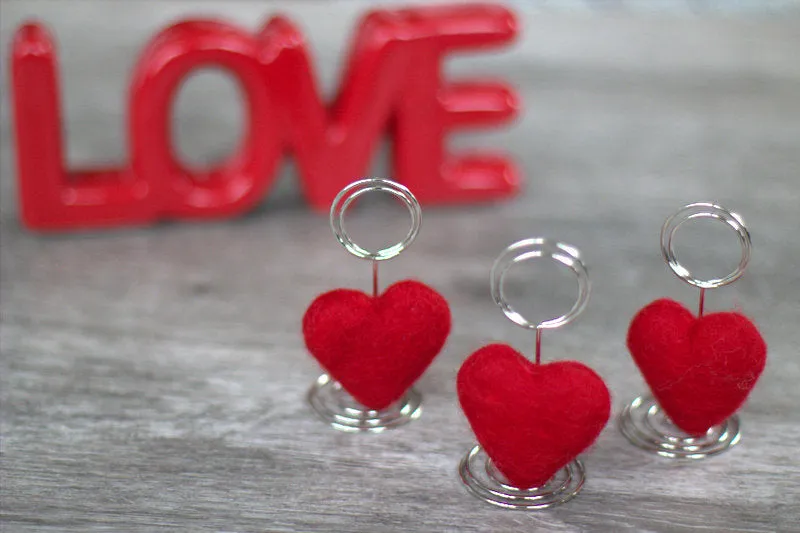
377,347
531,419
700,370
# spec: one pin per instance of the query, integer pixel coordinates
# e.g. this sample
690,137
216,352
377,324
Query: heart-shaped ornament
700,370
377,347
530,419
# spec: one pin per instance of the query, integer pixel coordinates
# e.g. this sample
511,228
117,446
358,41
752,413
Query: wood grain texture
153,379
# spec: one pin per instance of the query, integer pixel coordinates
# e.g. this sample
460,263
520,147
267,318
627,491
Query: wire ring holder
642,421
326,396
476,470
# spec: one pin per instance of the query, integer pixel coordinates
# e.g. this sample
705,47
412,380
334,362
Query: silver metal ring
347,195
704,210
488,484
534,249
646,426
341,411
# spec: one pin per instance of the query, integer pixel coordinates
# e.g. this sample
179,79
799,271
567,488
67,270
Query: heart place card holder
373,348
531,420
700,369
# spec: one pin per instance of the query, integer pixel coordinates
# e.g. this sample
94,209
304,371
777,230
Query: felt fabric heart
700,370
531,419
377,347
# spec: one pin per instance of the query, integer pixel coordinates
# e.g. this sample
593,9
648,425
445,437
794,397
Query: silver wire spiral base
482,479
646,426
336,407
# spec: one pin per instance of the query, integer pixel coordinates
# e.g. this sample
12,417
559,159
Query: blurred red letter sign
393,76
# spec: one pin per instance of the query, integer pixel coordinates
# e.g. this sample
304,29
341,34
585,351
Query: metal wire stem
374,278
702,301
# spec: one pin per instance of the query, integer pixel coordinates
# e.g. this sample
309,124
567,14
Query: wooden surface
153,379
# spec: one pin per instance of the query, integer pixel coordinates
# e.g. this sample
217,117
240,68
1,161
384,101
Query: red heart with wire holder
700,370
377,347
530,419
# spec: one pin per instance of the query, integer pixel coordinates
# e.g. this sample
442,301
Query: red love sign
393,76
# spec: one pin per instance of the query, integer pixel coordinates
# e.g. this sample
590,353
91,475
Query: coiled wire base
336,407
482,479
646,426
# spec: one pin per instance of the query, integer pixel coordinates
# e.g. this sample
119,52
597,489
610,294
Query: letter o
241,181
